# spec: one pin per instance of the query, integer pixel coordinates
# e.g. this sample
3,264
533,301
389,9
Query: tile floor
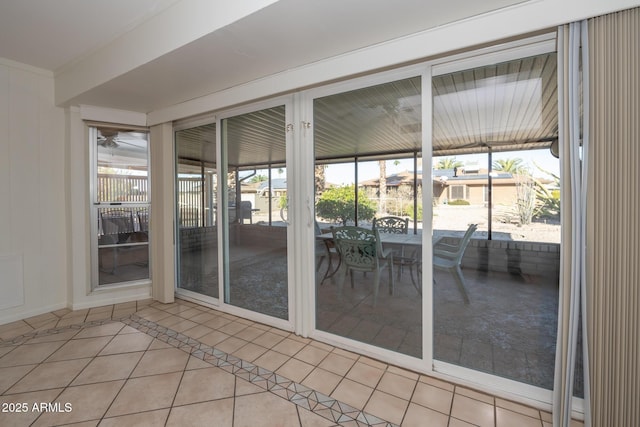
146,363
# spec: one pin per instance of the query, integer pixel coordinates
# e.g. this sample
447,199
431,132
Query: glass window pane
496,295
123,244
365,142
197,189
122,166
256,268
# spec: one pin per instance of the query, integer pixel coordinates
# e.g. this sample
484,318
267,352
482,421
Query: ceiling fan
108,138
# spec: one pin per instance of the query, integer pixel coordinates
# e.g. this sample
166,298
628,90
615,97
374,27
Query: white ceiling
59,34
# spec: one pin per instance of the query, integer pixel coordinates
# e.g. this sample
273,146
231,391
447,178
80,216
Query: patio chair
324,248
360,250
449,258
397,225
117,227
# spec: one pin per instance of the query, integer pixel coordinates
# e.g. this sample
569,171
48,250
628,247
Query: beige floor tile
271,360
98,316
101,309
7,349
202,317
345,353
68,321
10,376
249,333
244,387
454,422
92,423
433,397
232,328
268,339
76,349
373,362
215,413
203,385
153,314
323,381
337,364
311,354
88,402
217,322
21,419
230,345
108,368
517,407
198,331
145,419
252,410
473,411
322,345
145,394
365,374
295,370
403,372
385,406
546,416
14,329
192,312
128,330
288,346
437,383
506,418
156,344
183,325
309,419
124,343
169,321
46,317
352,393
419,416
397,385
28,354
195,363
475,395
250,352
213,338
62,336
161,362
50,375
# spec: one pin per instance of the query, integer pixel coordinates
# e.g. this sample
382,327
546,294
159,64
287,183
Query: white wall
33,242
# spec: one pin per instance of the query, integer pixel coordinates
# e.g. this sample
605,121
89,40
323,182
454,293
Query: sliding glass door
367,145
255,195
196,213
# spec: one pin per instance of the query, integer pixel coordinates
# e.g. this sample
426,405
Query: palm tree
510,165
449,163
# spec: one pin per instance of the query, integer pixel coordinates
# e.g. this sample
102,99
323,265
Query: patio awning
503,107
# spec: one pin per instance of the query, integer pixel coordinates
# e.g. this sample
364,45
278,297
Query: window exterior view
228,214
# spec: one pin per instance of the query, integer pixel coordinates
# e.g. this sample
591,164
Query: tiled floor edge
314,401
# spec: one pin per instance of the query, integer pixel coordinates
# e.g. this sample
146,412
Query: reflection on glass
256,198
197,187
366,146
493,127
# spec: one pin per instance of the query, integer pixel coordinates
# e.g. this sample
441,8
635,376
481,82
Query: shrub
459,202
408,211
337,204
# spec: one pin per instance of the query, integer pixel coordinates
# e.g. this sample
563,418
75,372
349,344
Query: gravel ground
459,217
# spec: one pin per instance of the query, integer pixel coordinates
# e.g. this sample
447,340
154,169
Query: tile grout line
314,401
275,383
